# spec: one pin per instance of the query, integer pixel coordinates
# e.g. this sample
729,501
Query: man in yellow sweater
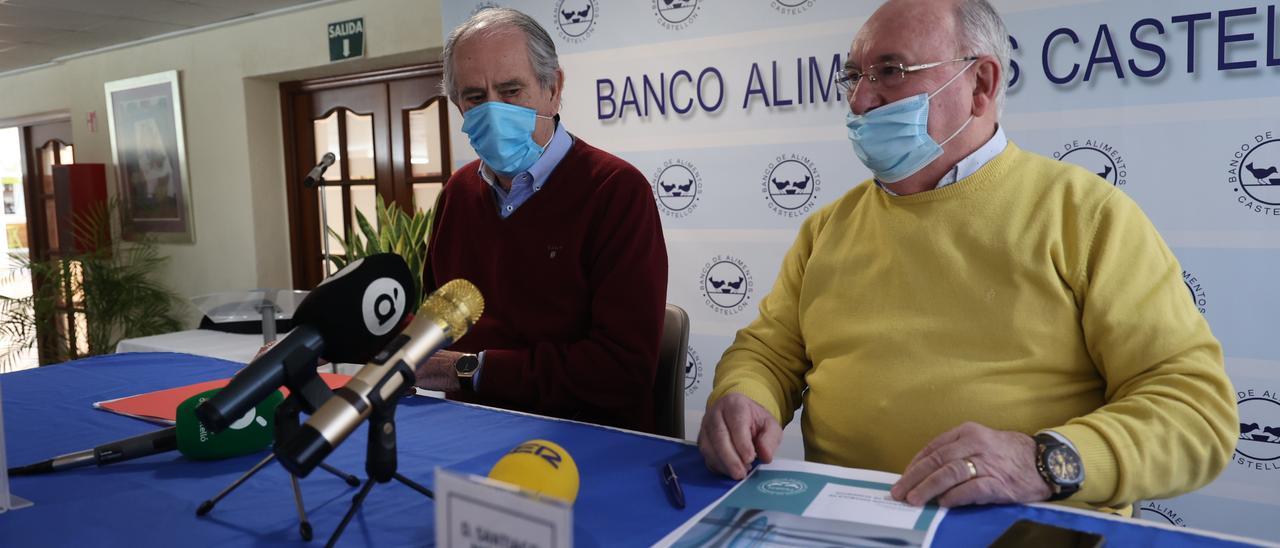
994,325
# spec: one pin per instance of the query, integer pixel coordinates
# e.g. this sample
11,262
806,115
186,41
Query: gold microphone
445,317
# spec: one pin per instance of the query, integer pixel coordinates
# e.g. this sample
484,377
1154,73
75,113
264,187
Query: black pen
673,486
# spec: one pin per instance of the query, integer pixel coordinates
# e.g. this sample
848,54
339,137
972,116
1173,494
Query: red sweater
574,283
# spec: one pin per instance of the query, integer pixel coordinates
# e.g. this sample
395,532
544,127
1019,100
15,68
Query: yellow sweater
1029,296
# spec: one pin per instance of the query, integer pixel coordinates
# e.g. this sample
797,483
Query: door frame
33,197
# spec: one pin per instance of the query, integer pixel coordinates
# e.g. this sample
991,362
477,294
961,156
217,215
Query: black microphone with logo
347,318
313,177
445,317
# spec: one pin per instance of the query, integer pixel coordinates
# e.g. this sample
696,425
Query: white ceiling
34,32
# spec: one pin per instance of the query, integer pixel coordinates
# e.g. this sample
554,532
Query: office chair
668,386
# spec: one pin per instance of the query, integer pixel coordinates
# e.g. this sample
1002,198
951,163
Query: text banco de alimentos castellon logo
726,284
791,183
1097,156
576,19
1259,445
675,14
1254,174
677,186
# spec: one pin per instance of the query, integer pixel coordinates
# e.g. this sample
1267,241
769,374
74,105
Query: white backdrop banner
730,108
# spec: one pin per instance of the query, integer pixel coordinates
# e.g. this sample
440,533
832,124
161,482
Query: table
152,501
234,347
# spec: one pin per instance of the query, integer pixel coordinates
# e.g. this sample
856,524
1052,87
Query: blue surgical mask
502,135
893,141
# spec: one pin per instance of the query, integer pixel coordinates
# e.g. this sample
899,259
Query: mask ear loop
944,86
549,119
953,78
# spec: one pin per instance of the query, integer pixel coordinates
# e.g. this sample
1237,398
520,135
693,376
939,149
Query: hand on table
973,464
734,432
438,372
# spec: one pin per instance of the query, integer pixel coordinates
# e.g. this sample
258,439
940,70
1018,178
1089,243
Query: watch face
1063,465
466,364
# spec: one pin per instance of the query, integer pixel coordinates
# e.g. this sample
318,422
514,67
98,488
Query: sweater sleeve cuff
1101,473
758,394
501,371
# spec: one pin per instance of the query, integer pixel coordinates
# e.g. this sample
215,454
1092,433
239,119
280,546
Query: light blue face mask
893,141
502,135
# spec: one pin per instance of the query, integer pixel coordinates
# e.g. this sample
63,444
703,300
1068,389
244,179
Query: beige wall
231,106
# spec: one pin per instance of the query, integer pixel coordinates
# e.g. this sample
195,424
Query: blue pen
673,486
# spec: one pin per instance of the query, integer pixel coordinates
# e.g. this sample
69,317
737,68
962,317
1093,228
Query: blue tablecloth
152,501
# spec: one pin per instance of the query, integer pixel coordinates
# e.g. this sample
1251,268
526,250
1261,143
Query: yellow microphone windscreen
539,466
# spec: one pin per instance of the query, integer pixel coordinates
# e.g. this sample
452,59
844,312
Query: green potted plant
397,232
110,285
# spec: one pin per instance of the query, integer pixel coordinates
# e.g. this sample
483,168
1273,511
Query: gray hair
982,32
542,51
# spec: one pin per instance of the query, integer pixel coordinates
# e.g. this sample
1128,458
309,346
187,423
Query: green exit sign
346,39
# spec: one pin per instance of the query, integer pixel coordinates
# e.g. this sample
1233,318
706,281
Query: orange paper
162,405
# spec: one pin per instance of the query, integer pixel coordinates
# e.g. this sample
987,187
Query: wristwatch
465,367
1059,465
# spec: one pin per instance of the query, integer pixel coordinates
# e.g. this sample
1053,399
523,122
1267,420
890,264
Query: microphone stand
380,455
324,225
307,392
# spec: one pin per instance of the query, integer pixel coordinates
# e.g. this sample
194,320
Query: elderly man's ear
558,91
987,73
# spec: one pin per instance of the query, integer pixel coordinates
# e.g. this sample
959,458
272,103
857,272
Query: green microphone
251,433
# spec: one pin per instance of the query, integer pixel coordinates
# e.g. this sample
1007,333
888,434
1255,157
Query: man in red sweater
562,239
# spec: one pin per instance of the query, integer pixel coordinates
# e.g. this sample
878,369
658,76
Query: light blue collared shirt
970,164
524,185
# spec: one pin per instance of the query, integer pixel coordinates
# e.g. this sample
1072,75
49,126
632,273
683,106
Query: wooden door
389,132
49,144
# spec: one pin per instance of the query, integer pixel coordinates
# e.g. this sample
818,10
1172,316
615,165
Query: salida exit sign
346,39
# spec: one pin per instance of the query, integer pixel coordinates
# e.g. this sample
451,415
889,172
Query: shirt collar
540,171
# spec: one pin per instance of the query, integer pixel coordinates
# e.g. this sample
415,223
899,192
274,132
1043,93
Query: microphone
445,317
346,318
539,466
313,178
250,434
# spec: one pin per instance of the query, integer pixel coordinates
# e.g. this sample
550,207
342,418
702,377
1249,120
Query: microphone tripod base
304,525
358,501
380,461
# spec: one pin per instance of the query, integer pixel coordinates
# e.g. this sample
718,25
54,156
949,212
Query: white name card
7,501
475,511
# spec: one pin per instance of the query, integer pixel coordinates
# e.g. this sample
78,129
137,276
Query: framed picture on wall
149,152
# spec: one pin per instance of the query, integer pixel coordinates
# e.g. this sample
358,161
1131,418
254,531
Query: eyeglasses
887,75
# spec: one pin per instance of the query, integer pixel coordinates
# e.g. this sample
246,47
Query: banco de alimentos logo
1259,444
782,486
484,6
1254,174
1096,156
675,14
792,7
677,187
790,184
576,19
1160,512
726,284
1197,291
692,372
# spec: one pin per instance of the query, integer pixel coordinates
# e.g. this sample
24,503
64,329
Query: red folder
161,406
